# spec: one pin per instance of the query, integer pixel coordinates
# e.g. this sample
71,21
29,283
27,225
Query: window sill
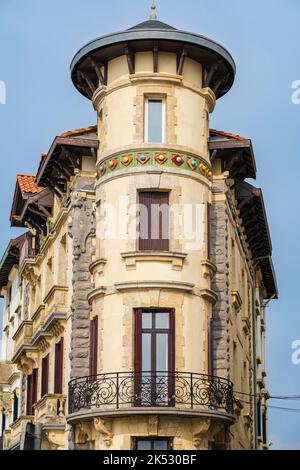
131,258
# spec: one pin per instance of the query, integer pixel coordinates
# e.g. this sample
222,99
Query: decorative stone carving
206,430
28,362
81,434
101,428
201,431
55,439
82,227
81,230
153,425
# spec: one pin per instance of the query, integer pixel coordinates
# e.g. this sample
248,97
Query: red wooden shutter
34,385
94,346
45,375
154,230
29,395
58,375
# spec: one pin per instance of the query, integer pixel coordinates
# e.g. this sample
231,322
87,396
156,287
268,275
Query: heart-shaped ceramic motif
112,164
178,159
126,160
192,162
161,158
143,158
102,169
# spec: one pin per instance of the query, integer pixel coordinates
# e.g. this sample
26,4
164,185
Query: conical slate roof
152,24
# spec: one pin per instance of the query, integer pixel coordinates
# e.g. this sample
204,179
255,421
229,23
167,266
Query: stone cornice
131,258
164,285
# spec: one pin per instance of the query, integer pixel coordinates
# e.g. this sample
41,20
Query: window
154,221
152,444
45,375
9,296
15,407
210,348
154,120
93,346
32,381
155,357
208,230
58,372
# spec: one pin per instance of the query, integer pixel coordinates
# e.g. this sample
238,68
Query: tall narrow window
208,230
15,407
93,346
210,347
32,381
155,357
154,221
45,375
154,122
58,372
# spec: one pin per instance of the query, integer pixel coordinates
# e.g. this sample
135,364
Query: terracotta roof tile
84,130
28,184
228,135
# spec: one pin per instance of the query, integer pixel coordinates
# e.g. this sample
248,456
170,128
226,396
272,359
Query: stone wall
220,283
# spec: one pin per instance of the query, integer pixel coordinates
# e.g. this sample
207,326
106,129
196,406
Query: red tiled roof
84,130
228,135
28,184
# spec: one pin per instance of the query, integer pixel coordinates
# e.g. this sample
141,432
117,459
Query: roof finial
153,15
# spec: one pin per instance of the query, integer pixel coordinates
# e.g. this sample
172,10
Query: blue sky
37,42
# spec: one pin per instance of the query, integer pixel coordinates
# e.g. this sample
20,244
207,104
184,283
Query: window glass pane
143,445
146,352
162,444
162,352
147,320
155,121
162,320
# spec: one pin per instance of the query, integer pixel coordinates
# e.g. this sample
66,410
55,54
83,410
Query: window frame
160,244
58,367
162,99
136,439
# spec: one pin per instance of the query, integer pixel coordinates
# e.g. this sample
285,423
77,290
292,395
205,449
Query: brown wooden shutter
58,375
45,375
94,347
148,222
34,385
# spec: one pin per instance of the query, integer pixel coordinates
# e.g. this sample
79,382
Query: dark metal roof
253,213
152,24
10,258
146,37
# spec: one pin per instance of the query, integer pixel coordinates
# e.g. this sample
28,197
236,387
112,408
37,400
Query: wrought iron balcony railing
146,389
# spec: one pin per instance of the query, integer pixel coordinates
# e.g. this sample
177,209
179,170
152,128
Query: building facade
135,303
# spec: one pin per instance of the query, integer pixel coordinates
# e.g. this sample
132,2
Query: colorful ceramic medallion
192,162
112,164
126,160
102,169
178,159
202,168
143,158
161,158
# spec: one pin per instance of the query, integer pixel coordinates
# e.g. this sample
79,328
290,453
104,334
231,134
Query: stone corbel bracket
101,428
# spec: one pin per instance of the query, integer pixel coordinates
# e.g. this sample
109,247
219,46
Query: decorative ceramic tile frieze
153,157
